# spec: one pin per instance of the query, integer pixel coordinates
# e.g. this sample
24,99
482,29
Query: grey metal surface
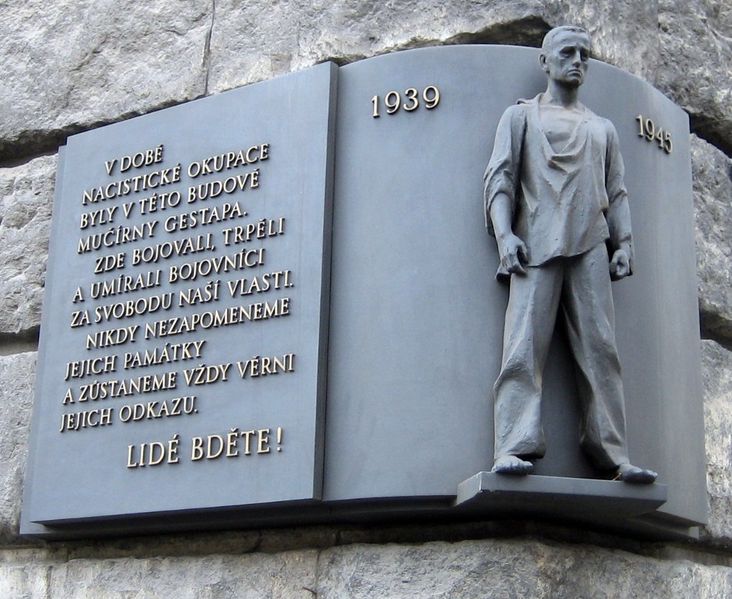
83,473
559,495
416,315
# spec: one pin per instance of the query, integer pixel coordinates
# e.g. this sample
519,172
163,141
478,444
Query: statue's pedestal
558,496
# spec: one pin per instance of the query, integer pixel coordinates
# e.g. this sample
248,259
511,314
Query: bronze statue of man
557,205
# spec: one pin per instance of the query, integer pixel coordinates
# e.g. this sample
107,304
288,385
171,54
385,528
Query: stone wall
68,67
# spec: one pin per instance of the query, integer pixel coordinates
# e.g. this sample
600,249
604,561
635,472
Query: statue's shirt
567,199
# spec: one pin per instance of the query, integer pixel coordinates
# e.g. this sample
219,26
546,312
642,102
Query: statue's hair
549,37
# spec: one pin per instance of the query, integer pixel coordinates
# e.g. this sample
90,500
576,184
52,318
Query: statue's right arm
500,187
511,249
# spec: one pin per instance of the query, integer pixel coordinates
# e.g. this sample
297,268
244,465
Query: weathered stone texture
712,173
717,378
510,569
485,568
684,48
657,41
69,65
295,35
467,569
17,376
26,199
35,574
24,574
696,63
169,545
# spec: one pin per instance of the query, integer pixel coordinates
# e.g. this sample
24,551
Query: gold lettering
196,449
154,453
75,421
108,337
80,368
228,160
263,440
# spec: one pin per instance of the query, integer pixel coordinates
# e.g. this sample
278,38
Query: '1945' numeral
393,100
647,129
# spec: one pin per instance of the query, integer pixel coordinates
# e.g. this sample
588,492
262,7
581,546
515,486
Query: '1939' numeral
393,100
647,129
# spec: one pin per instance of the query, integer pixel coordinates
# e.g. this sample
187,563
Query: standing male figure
556,202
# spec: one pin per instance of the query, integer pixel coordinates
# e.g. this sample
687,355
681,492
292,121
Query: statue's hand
619,265
513,254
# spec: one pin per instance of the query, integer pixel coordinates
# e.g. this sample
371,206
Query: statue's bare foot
510,464
633,474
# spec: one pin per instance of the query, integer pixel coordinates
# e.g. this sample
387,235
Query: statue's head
565,54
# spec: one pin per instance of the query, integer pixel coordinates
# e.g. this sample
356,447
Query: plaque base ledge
558,495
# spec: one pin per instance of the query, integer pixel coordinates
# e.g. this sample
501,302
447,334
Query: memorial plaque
182,349
183,363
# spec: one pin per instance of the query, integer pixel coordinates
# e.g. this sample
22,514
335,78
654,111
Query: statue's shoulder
523,105
601,125
610,132
520,109
605,123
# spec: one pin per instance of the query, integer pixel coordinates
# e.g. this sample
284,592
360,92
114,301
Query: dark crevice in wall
528,31
207,49
716,328
314,592
704,127
17,343
32,143
26,159
48,580
704,555
320,538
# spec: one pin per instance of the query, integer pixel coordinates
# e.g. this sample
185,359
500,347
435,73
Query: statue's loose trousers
580,286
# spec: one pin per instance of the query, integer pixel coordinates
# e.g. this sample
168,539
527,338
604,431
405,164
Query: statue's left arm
618,212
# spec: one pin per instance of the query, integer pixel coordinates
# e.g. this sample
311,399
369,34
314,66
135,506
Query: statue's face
566,59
